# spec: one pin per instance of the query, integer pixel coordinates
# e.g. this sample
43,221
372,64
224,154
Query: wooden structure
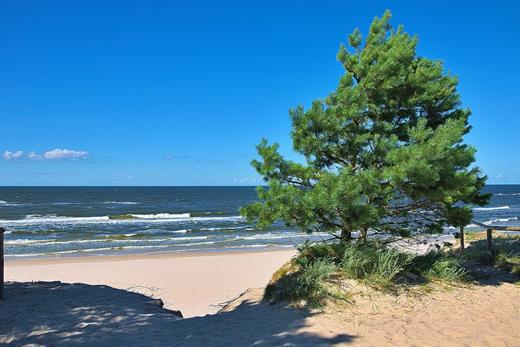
2,231
489,233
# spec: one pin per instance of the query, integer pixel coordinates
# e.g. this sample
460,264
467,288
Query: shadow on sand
55,313
481,263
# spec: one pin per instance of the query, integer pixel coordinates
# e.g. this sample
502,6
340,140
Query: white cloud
59,153
8,155
33,156
168,157
245,181
54,154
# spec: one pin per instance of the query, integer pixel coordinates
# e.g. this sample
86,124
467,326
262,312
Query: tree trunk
461,239
346,235
364,233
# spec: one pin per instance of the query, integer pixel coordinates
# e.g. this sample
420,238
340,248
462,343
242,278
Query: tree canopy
383,152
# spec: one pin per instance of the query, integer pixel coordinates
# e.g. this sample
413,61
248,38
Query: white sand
192,283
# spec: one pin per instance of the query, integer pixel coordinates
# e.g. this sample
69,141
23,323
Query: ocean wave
260,245
506,194
121,203
225,228
159,218
120,248
86,250
9,204
29,242
491,208
500,220
272,236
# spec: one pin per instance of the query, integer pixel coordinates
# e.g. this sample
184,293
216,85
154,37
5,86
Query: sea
68,221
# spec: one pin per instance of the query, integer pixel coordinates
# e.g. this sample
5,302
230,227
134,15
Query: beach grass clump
439,266
378,266
509,262
302,281
314,274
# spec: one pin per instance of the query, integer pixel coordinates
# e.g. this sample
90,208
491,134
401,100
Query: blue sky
180,92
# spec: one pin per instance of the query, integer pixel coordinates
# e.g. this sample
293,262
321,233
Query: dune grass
312,276
305,281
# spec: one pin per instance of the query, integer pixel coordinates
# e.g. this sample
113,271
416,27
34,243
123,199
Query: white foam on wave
8,204
224,228
507,194
102,249
187,238
80,251
121,203
51,219
139,219
272,236
491,208
502,220
28,242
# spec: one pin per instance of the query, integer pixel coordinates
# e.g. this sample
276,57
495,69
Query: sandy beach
195,283
220,297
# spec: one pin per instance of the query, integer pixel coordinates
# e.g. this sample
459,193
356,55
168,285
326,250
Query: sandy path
192,283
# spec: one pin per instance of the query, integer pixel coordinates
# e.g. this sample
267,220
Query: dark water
113,220
108,220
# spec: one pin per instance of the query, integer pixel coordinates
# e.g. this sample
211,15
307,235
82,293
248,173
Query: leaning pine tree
384,152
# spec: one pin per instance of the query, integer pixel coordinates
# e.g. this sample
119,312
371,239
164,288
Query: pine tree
384,152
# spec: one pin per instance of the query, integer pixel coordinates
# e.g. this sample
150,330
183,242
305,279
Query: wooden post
461,239
2,230
489,237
